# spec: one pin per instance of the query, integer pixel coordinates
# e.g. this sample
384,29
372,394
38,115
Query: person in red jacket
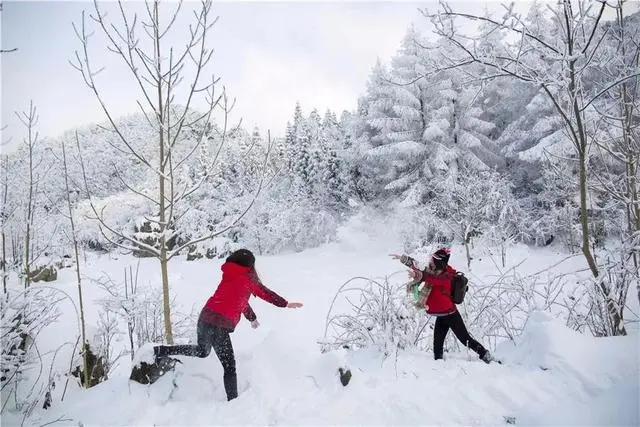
222,312
436,298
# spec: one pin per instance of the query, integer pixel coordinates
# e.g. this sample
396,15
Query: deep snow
551,375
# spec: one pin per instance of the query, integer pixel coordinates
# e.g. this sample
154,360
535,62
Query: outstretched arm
406,260
262,292
415,273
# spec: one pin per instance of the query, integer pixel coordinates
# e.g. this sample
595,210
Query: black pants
210,336
456,324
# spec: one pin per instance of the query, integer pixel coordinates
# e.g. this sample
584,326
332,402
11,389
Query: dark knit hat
440,258
242,257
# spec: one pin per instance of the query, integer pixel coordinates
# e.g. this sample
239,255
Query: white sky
268,54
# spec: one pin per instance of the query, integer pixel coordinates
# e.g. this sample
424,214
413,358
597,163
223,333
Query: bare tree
5,185
160,72
30,120
74,241
557,56
619,148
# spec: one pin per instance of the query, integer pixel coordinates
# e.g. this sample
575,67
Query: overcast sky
269,55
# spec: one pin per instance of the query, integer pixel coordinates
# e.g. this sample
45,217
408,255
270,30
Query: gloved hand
255,324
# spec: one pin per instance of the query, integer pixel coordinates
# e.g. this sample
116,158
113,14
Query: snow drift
551,375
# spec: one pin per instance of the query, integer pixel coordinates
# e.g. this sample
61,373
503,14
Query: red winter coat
231,299
439,300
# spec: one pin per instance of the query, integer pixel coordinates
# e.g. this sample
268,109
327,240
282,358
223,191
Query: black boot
488,358
231,386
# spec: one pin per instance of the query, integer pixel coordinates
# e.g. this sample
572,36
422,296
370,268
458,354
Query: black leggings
210,336
454,322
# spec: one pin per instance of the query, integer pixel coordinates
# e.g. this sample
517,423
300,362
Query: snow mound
545,343
144,354
599,376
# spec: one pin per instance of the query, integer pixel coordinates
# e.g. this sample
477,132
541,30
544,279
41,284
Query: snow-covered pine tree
334,161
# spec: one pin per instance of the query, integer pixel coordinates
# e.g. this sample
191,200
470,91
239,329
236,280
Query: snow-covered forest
490,133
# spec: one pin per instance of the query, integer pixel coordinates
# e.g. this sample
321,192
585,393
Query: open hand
414,274
255,324
294,305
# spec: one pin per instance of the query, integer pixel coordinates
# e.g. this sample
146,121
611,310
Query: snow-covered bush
23,316
497,307
133,312
609,292
381,315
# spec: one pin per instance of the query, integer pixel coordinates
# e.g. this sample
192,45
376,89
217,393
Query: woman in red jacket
437,301
221,314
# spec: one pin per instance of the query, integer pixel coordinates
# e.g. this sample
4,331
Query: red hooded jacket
439,300
231,299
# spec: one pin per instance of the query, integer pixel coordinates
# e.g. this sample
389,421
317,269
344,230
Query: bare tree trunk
584,218
580,139
5,192
4,263
29,220
130,320
163,126
630,145
85,355
29,120
466,238
165,293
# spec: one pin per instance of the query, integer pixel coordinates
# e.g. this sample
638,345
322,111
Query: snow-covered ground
551,375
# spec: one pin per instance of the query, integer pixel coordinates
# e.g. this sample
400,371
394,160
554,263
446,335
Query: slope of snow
551,375
280,385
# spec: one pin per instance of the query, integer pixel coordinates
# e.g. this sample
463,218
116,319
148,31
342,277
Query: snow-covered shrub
607,295
22,317
380,314
497,308
138,310
370,313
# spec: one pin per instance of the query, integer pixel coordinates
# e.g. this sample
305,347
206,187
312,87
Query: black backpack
459,287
